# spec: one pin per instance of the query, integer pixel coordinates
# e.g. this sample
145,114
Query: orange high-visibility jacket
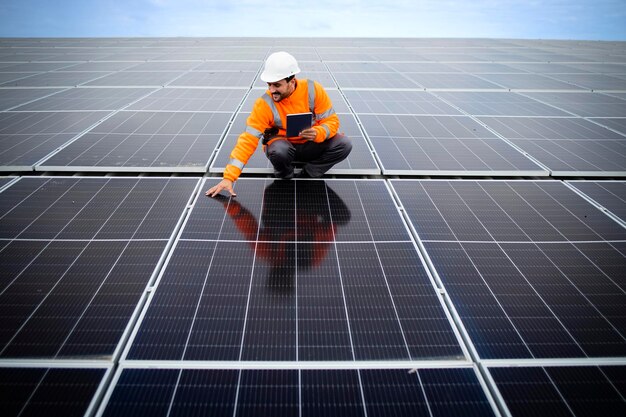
267,113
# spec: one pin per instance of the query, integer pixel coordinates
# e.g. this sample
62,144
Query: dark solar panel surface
144,141
294,242
87,99
13,97
609,194
567,146
384,392
26,138
35,392
423,145
523,261
76,256
562,391
299,282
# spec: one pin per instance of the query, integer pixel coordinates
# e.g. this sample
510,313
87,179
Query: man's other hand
308,134
222,185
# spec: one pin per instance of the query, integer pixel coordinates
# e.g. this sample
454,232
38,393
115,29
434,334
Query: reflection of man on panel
315,225
319,147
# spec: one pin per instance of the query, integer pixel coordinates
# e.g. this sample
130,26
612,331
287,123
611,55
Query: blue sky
530,19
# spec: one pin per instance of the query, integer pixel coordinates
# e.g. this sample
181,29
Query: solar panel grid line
70,393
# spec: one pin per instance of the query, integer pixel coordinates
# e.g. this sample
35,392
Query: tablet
298,122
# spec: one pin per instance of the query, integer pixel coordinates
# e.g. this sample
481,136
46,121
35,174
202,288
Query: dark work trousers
317,157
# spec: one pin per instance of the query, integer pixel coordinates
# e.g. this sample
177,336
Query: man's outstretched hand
222,185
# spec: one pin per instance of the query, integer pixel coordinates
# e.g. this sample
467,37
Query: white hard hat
279,65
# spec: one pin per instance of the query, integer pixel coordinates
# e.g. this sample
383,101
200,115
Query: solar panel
28,137
144,141
307,392
426,145
585,104
13,97
77,255
562,390
255,290
567,146
521,263
87,99
42,391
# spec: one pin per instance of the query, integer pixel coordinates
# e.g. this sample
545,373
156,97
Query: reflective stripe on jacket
263,116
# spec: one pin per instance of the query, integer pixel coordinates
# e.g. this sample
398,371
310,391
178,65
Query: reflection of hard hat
279,65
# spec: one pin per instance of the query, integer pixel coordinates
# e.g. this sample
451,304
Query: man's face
281,89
